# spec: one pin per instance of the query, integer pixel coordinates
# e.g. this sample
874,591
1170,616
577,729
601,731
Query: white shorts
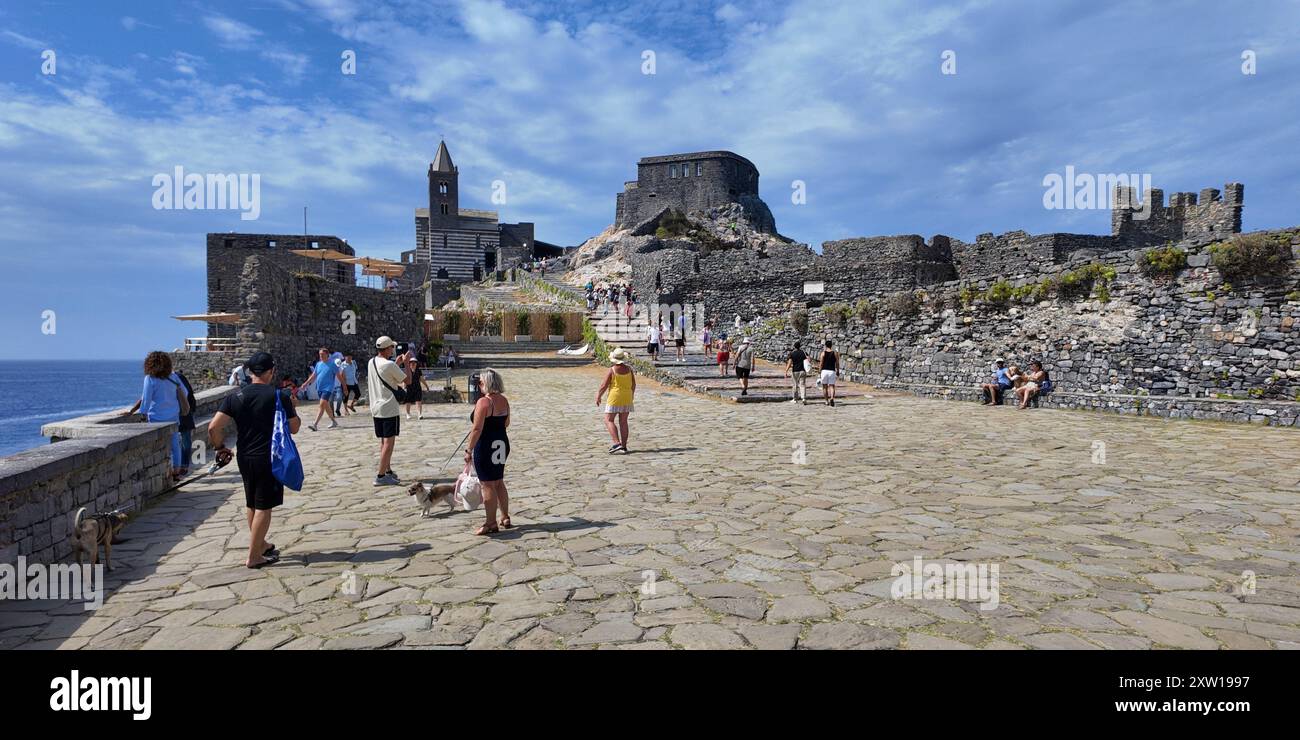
828,377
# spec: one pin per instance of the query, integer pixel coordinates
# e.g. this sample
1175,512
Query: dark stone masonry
917,314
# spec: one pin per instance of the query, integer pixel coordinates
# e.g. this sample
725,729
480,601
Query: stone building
226,254
698,181
460,244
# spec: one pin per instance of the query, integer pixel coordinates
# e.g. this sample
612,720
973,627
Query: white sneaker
311,427
408,417
333,424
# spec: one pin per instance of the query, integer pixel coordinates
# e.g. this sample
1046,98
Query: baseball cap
260,363
384,342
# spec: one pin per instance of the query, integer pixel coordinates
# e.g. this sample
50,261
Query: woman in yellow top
621,383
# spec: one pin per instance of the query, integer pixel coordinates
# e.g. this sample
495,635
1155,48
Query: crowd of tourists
609,297
1024,385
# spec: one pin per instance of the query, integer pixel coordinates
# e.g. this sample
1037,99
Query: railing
210,344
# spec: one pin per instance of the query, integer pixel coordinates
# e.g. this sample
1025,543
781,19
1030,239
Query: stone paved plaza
746,547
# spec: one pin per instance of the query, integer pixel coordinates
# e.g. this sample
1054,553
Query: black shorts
651,348
353,392
261,490
681,341
415,393
742,372
387,426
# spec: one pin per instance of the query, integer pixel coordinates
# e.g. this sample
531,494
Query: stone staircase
698,372
500,354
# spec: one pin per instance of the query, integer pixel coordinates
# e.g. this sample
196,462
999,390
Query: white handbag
468,494
807,365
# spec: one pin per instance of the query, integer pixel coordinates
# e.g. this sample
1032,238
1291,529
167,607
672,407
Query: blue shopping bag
286,466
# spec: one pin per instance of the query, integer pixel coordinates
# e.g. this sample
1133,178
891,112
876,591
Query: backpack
399,393
286,465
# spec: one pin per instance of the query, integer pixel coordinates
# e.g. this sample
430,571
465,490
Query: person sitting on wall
991,393
1036,383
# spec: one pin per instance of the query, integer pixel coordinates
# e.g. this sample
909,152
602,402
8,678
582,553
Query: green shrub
1162,261
522,323
999,293
865,310
968,295
452,322
799,320
838,313
1258,256
557,324
1079,283
1293,295
904,304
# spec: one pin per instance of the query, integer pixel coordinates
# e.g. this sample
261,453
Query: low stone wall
207,369
102,462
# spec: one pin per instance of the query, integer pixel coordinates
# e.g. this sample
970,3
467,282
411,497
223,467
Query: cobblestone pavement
1108,532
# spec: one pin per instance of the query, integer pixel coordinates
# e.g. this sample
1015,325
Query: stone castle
927,315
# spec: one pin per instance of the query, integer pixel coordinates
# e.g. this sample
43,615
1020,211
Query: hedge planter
555,337
523,338
451,337
481,338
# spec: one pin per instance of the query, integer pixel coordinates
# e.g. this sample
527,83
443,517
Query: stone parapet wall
102,462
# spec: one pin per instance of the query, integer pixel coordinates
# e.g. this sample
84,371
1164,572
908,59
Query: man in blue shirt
992,392
326,375
350,382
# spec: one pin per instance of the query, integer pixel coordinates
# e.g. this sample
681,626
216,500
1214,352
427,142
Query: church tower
444,197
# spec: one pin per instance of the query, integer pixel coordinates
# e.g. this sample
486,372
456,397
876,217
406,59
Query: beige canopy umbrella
210,318
322,255
376,266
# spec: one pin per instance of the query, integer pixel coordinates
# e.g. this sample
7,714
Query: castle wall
1180,346
1209,215
226,254
291,316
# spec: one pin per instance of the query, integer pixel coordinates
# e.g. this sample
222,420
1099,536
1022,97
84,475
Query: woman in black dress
488,447
415,388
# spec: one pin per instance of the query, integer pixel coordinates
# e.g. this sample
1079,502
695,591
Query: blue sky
550,98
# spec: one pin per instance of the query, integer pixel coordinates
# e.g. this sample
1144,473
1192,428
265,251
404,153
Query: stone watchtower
1211,215
697,181
444,190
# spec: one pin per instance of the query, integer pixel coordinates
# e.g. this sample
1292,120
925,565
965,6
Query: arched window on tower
443,207
442,187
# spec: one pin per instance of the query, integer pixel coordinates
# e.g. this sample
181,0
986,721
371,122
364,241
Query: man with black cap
253,410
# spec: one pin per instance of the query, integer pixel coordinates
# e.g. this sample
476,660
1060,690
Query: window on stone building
270,243
686,169
315,245
227,242
672,170
442,188
443,208
699,169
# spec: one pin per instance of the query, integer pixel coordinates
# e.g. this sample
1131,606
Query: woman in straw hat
620,381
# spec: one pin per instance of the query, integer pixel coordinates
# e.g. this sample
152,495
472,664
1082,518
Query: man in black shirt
794,368
253,410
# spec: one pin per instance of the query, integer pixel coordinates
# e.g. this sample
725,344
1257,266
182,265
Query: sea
37,392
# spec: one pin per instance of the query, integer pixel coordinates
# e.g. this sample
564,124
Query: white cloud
26,42
230,31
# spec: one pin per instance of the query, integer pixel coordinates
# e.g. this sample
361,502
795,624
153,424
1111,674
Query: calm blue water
36,392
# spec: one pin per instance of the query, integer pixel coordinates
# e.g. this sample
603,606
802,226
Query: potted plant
556,327
521,327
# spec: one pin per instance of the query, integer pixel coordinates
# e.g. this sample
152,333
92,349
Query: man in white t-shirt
382,377
653,341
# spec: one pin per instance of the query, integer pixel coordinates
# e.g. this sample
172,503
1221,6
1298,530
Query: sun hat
384,342
618,356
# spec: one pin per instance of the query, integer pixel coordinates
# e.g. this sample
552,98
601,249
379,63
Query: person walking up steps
383,377
488,447
829,364
325,375
654,340
744,364
620,381
724,354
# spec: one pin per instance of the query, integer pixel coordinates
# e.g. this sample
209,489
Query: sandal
486,530
505,523
270,550
266,560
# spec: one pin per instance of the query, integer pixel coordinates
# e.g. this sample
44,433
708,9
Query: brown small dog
89,532
427,499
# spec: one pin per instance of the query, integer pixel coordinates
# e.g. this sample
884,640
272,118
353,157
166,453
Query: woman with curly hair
163,399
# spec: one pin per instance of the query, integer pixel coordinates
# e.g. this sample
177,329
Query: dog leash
453,452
